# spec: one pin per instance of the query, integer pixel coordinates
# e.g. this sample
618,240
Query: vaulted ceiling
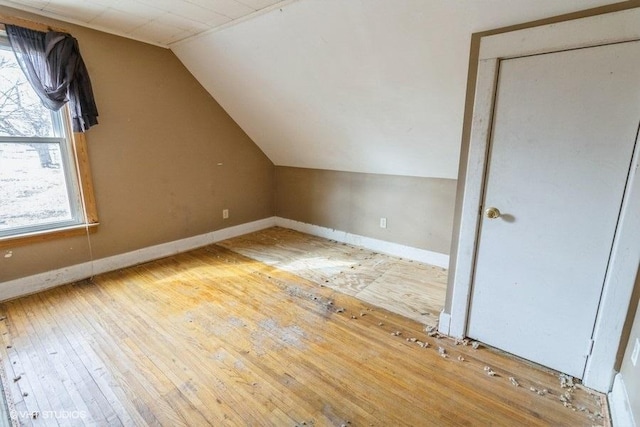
372,86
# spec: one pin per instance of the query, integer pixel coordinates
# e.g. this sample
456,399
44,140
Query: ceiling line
231,23
53,15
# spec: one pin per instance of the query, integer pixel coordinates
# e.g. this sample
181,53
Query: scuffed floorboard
211,337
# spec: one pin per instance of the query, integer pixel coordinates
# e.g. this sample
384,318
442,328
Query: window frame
90,221
73,147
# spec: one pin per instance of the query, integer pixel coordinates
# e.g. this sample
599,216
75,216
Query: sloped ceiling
373,86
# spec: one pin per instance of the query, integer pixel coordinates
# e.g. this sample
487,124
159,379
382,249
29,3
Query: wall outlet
225,213
636,351
383,222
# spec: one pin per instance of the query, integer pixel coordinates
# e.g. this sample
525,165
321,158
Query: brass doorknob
492,213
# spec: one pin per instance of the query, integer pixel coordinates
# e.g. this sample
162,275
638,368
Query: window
39,186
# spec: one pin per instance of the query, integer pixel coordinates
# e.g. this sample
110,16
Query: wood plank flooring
211,337
409,288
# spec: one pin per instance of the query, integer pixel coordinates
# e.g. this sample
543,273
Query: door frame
615,27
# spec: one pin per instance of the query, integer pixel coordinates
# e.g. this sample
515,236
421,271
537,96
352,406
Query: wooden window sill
47,235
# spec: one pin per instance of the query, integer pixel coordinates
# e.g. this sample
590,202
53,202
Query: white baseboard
619,406
239,230
395,249
39,282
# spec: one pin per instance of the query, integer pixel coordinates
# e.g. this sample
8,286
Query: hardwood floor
211,337
409,288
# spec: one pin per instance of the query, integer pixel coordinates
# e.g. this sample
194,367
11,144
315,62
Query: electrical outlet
225,213
383,222
636,351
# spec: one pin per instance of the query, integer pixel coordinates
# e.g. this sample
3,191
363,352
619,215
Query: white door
564,129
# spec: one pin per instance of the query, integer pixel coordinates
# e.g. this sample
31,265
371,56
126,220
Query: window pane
21,111
33,188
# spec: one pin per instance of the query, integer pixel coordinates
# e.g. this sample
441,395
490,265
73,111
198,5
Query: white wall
374,86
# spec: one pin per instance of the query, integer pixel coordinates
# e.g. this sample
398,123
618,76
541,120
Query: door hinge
589,348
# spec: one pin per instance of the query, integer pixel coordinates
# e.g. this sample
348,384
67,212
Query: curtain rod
12,20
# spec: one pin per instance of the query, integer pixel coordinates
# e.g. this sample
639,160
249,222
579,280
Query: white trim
619,405
462,275
594,30
246,228
618,286
395,249
609,28
444,323
40,282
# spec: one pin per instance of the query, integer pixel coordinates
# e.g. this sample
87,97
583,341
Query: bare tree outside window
33,186
21,112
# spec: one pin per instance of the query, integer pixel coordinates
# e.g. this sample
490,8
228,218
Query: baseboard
239,230
40,282
395,249
619,405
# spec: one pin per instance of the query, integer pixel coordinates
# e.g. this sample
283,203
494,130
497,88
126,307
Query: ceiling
370,86
159,22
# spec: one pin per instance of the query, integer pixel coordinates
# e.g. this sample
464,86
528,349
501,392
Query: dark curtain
55,69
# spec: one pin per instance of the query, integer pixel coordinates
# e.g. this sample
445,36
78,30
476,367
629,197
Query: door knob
492,213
